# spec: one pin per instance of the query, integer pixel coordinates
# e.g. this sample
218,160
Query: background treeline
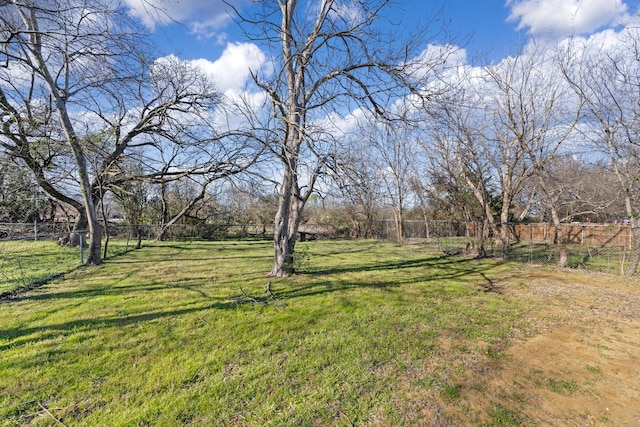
97,124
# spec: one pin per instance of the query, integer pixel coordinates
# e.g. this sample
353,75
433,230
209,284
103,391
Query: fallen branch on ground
270,297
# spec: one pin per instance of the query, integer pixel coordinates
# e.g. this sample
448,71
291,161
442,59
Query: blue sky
203,33
484,24
492,27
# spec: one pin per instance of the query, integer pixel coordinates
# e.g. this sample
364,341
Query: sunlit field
28,263
195,332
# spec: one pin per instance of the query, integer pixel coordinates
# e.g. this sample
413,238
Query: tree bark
563,252
399,219
59,97
76,235
287,220
94,256
504,219
635,244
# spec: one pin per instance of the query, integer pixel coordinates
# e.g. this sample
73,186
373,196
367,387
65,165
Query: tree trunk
86,189
563,254
95,243
504,226
563,251
94,257
635,244
283,259
561,241
164,212
399,219
286,225
138,236
480,247
75,237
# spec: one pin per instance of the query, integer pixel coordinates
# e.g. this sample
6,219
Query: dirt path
578,364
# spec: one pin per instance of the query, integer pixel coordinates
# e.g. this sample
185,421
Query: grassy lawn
182,333
24,263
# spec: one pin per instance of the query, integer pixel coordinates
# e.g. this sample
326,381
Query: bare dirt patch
576,363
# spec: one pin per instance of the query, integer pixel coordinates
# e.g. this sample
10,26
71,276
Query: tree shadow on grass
391,265
25,291
424,270
47,295
321,281
20,292
158,259
23,335
449,267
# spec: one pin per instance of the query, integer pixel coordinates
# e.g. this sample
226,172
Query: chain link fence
30,254
603,248
33,253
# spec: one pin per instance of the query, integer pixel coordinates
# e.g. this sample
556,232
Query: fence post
35,230
530,243
81,240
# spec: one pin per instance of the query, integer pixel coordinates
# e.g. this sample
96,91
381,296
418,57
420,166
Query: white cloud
230,73
436,61
238,110
206,18
233,69
347,10
339,126
558,18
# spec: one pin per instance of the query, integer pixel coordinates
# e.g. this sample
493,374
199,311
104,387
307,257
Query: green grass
610,260
501,416
24,263
562,386
183,332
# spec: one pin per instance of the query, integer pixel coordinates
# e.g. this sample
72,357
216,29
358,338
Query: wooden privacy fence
596,235
587,234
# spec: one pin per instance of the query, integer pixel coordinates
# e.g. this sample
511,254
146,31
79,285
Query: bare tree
541,118
170,136
357,180
61,49
505,126
393,153
584,191
471,148
328,58
112,102
606,80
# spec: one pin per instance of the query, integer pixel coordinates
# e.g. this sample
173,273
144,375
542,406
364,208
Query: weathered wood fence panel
587,234
597,235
